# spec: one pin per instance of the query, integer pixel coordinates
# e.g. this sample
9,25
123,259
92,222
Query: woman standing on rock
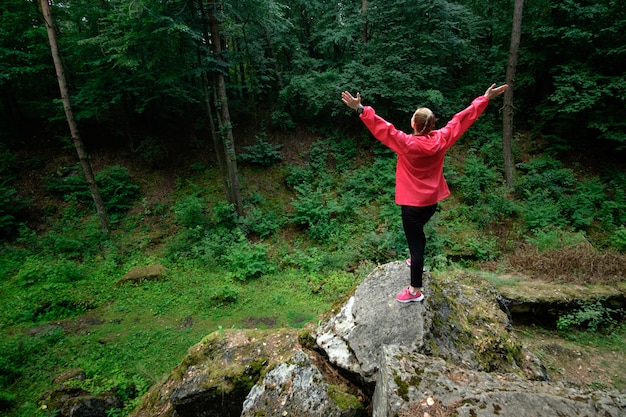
420,184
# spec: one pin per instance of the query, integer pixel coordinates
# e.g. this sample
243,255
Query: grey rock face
295,388
413,384
371,319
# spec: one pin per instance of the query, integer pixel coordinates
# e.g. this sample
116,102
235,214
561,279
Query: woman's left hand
494,91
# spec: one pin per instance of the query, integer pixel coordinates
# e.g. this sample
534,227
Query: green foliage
592,317
555,238
248,260
10,204
17,352
116,187
262,153
613,210
546,175
582,62
10,207
476,180
152,151
317,210
618,238
554,196
190,212
282,120
224,295
7,401
263,223
34,270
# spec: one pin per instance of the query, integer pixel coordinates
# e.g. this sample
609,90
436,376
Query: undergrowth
294,253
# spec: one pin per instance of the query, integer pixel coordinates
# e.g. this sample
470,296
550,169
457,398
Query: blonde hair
423,121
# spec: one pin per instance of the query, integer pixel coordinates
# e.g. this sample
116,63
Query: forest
208,140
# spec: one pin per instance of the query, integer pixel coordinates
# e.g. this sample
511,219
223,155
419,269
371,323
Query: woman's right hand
350,101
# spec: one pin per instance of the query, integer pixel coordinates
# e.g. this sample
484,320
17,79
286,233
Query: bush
224,295
190,212
591,317
36,270
546,175
118,190
262,153
114,183
248,260
282,120
318,211
10,207
153,151
476,179
555,238
298,175
262,223
618,238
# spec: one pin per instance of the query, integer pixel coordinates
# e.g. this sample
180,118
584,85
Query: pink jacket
419,171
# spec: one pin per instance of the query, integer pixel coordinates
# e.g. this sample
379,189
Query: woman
420,184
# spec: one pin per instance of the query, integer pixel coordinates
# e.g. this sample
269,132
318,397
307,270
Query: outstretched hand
351,101
494,91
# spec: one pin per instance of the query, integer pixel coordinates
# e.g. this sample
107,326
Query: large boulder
217,374
411,384
459,322
251,373
371,319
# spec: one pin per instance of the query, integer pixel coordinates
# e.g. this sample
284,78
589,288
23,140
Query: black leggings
413,221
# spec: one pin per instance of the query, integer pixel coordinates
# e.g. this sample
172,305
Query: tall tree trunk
272,53
206,83
224,122
364,24
507,117
69,114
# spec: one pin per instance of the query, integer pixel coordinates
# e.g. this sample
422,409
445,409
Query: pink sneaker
406,297
408,262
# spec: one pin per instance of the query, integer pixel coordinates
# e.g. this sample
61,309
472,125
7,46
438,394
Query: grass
142,331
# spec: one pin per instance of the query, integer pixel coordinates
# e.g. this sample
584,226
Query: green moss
306,339
343,399
403,387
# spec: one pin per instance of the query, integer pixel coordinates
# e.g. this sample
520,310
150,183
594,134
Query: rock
76,402
67,400
459,322
534,301
297,387
139,275
465,325
371,319
411,384
217,374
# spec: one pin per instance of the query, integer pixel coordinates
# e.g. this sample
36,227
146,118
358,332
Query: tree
224,122
65,96
507,118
